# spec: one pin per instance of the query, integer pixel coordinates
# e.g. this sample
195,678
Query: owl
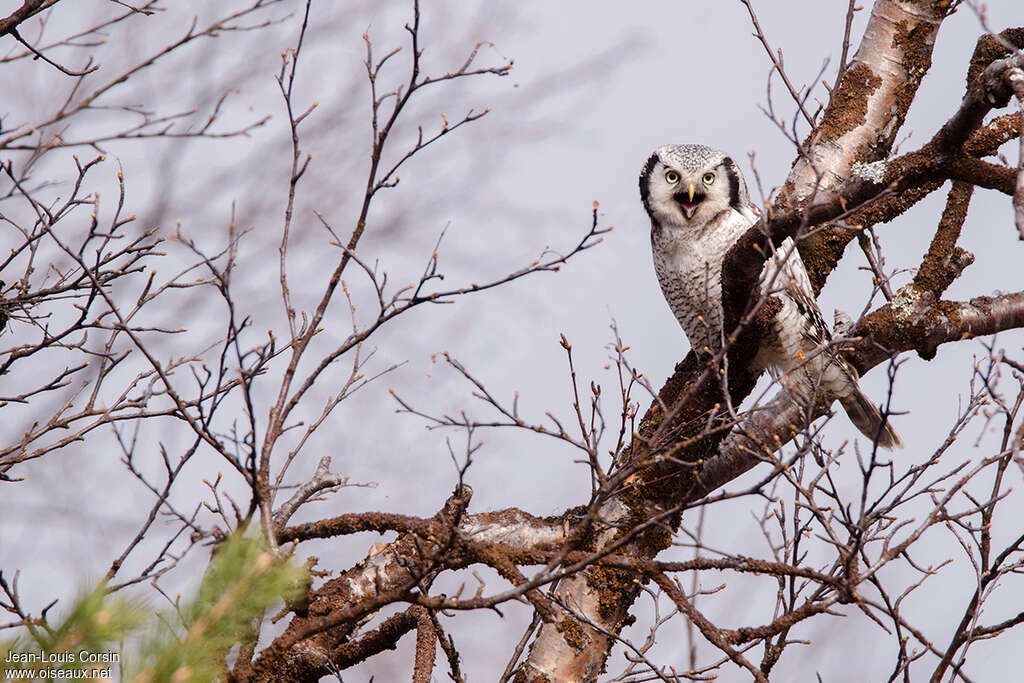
699,207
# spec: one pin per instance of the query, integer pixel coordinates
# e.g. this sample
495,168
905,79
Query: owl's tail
866,417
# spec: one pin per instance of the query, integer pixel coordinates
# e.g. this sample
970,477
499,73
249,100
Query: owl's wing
785,275
803,341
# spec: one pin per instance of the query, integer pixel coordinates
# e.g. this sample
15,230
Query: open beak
689,200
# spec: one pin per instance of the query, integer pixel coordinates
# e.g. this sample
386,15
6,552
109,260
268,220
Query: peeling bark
871,102
301,653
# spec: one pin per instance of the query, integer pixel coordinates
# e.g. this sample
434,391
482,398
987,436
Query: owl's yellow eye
671,177
708,178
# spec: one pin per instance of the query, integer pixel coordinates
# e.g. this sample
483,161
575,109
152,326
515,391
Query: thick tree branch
870,103
901,325
944,261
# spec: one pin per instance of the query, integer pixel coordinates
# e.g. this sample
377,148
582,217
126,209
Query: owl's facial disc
689,199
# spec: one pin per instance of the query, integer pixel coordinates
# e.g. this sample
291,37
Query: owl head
684,186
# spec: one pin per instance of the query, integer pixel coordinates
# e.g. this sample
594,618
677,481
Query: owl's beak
689,199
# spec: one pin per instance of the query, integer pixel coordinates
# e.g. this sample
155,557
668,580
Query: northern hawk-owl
699,207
